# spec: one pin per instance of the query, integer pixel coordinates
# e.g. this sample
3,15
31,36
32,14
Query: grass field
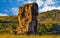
29,36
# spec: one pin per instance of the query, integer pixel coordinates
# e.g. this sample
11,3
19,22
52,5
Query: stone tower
27,18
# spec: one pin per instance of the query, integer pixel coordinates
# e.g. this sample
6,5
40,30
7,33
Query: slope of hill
49,16
49,22
8,24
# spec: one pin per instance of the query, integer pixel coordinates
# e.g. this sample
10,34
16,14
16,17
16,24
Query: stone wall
27,18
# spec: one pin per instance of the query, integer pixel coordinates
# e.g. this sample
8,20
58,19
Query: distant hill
8,24
8,19
49,16
49,22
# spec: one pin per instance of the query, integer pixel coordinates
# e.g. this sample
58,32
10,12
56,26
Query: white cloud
45,5
3,14
50,2
39,2
49,8
14,11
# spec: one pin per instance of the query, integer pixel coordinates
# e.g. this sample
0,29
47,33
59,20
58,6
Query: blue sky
10,7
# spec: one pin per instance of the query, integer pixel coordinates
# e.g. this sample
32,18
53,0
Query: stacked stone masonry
27,17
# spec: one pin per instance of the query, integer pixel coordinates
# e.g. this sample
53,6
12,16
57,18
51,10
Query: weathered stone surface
27,18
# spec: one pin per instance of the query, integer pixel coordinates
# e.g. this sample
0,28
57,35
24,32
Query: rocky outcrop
27,18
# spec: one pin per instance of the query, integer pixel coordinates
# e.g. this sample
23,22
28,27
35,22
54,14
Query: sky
10,7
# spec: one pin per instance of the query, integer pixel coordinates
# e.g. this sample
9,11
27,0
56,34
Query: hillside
49,22
8,24
49,16
8,18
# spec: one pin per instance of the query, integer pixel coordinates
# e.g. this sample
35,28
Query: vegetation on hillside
8,24
49,22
